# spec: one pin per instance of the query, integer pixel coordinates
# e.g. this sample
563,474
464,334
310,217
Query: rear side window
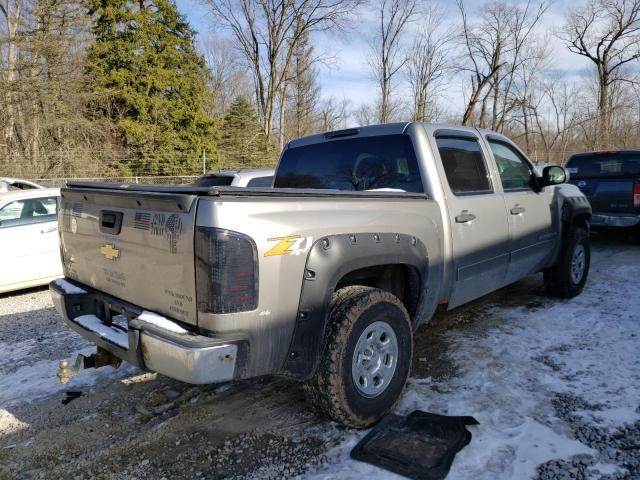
464,165
515,172
213,181
604,165
368,163
28,211
260,182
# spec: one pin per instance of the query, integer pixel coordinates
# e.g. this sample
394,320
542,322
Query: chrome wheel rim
374,359
578,263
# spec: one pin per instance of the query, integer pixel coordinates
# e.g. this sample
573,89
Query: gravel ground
130,424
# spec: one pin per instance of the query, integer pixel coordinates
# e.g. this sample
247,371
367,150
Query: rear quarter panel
270,221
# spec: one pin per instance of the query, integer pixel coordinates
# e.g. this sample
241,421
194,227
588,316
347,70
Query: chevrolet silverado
324,277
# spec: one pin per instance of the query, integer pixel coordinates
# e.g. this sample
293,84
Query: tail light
226,271
636,195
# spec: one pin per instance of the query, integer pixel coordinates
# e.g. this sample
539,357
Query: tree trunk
525,121
604,115
384,100
467,117
12,20
281,119
496,98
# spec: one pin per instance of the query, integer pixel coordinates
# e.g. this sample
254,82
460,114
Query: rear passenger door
530,211
479,229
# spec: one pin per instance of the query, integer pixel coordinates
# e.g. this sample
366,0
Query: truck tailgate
608,194
136,246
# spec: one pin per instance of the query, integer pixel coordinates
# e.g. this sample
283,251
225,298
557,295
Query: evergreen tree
149,80
243,142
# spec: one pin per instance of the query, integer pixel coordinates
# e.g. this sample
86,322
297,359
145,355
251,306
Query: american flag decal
142,221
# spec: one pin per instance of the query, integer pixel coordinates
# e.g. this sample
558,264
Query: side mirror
553,175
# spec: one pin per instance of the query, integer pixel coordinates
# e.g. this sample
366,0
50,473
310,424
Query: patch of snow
39,379
610,417
68,287
509,373
110,333
161,322
605,469
9,424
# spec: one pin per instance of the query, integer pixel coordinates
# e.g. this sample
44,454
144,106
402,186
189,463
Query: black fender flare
330,259
574,208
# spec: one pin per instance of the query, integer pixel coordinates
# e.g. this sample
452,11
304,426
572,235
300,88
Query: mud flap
420,446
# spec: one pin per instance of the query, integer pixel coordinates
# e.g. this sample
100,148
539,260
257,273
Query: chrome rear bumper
614,220
186,356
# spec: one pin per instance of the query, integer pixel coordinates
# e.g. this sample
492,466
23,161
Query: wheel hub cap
375,359
578,262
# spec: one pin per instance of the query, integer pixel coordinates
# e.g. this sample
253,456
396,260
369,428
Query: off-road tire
332,389
558,280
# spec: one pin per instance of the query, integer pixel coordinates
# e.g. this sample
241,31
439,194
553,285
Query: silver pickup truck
324,277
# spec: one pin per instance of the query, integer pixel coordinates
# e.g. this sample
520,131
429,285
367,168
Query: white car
29,244
247,177
7,184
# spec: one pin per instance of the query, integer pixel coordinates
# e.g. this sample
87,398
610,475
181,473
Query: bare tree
229,78
524,57
498,47
555,130
335,114
267,31
607,33
366,114
11,12
428,63
483,45
386,58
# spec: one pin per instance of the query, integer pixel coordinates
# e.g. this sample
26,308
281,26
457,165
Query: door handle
465,217
48,230
517,209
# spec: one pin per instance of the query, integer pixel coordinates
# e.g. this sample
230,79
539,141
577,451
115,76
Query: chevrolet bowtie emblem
110,252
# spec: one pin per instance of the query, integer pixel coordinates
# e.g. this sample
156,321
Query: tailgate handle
110,222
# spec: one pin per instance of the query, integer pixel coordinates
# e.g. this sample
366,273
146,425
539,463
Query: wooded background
111,88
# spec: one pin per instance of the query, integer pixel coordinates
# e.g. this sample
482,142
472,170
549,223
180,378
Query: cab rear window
385,162
604,165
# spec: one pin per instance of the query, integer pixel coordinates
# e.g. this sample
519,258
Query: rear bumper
186,356
614,220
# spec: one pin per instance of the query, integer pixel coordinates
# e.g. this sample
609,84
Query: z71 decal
291,245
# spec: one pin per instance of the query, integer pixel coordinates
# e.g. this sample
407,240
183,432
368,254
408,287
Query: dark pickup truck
611,182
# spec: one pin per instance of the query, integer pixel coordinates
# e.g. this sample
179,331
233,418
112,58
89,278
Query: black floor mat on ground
420,446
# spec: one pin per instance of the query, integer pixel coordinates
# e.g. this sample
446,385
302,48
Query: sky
348,74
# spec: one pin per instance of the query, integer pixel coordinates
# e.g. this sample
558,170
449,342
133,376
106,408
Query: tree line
121,87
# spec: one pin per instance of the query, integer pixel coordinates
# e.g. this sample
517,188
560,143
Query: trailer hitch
101,358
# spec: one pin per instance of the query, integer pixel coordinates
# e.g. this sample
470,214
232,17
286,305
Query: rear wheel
567,277
366,358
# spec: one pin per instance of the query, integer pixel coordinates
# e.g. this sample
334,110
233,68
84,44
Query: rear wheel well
581,221
401,280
